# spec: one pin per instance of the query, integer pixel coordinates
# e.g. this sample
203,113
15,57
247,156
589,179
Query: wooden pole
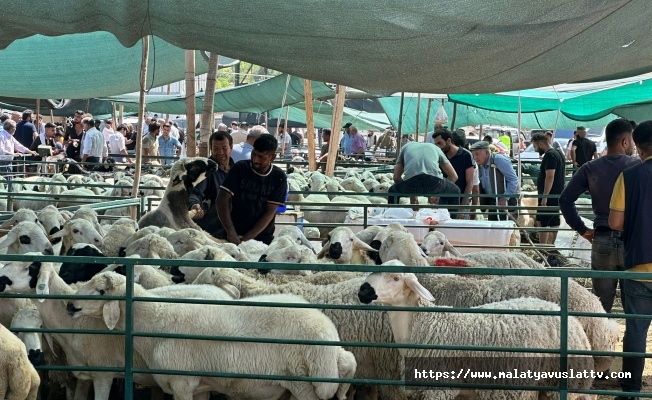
167,116
400,124
141,118
115,126
336,128
122,111
418,115
454,115
51,116
191,143
38,112
285,130
428,118
207,119
310,125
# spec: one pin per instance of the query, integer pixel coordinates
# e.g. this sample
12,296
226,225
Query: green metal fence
129,333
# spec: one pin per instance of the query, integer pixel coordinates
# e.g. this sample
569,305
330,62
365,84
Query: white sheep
188,239
51,219
29,318
147,276
26,237
369,233
310,232
253,248
402,246
294,254
436,244
231,320
21,215
189,274
89,215
18,378
297,235
151,246
89,350
343,247
459,329
172,211
78,231
373,363
117,235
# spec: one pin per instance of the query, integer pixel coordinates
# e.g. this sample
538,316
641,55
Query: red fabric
450,262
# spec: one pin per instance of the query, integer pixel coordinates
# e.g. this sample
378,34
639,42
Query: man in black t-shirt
549,182
251,194
461,160
583,149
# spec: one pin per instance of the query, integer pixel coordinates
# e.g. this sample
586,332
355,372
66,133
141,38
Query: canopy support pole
336,128
416,129
115,126
207,119
454,116
139,140
38,112
285,130
520,174
167,116
428,118
122,112
400,125
191,141
310,125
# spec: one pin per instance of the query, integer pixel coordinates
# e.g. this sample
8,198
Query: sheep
18,378
500,330
231,320
343,247
78,231
402,246
173,208
296,234
147,276
189,274
51,220
21,215
310,232
368,234
188,239
89,215
455,291
436,244
71,272
117,235
292,254
373,363
41,352
353,185
26,277
29,317
71,197
253,248
151,246
26,237
234,251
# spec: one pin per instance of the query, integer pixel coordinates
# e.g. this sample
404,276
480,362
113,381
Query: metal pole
416,129
400,124
520,174
129,330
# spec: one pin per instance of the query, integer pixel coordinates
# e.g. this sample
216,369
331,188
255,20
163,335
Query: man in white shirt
9,145
117,144
94,149
243,150
284,138
108,129
240,135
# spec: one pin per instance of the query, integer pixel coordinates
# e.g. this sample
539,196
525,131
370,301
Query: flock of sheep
169,233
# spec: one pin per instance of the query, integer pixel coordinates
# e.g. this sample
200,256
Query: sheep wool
18,378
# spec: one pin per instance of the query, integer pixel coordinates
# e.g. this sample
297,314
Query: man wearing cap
386,141
497,177
345,143
420,169
583,149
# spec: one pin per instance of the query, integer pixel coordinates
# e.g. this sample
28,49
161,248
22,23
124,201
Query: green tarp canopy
322,114
83,66
379,46
254,97
582,102
471,116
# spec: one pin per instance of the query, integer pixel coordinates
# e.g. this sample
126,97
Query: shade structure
323,112
380,46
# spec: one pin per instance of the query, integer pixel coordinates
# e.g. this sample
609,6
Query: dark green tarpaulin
380,46
255,97
83,66
323,112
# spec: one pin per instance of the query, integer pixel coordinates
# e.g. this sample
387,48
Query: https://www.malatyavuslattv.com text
467,373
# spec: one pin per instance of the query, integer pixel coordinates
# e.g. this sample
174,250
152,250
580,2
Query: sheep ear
111,313
61,233
306,242
8,239
324,250
362,245
50,342
412,282
449,247
231,290
43,283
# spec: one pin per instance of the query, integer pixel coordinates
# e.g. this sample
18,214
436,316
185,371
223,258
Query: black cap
347,125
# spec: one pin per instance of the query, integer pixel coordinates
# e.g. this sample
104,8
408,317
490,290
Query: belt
603,231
